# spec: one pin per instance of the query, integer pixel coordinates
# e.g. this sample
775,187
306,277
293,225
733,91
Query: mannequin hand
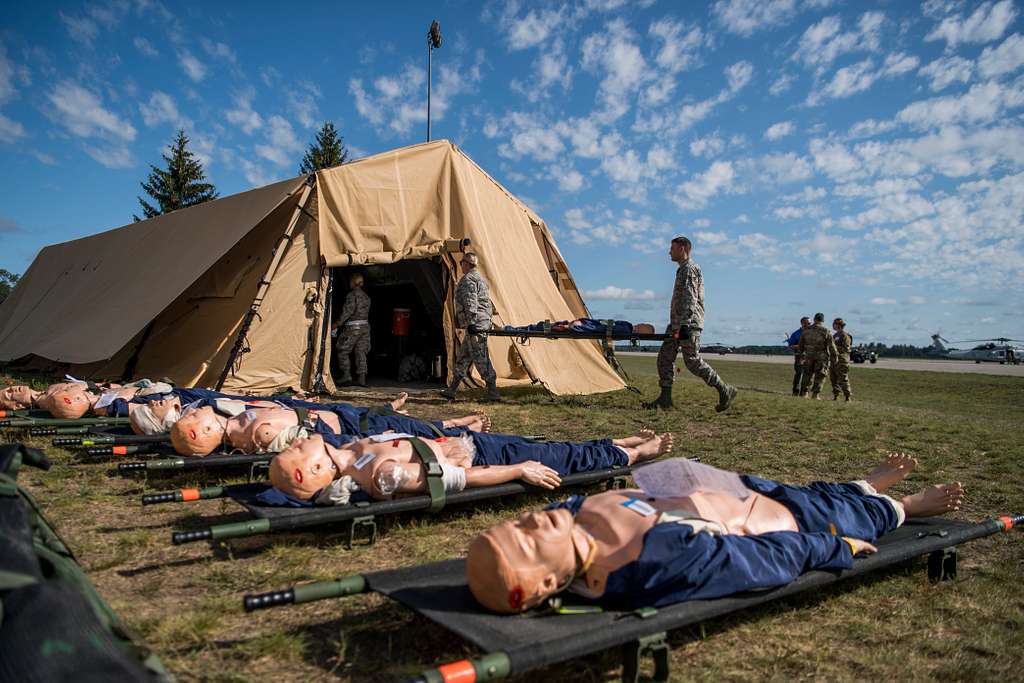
860,547
532,472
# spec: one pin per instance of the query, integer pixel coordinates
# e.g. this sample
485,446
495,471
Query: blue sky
864,160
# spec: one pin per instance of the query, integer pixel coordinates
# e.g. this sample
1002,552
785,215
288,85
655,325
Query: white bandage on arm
869,490
453,478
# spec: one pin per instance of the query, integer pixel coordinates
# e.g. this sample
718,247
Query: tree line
182,181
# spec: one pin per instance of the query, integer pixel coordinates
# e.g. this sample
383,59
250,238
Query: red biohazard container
400,322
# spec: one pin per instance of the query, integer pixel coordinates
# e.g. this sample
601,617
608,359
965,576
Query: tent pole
268,276
317,384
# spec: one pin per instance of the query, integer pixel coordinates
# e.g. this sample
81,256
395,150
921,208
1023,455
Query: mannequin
385,465
631,549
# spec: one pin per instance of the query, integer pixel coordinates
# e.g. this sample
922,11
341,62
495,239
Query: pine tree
328,150
7,282
182,184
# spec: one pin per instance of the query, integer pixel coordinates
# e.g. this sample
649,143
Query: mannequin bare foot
474,423
399,402
650,449
895,468
934,500
632,441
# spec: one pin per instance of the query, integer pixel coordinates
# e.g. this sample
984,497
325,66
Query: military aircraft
995,350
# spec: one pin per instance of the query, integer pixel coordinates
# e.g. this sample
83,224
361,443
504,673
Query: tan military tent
168,297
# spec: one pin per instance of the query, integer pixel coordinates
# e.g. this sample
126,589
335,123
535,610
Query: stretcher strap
435,484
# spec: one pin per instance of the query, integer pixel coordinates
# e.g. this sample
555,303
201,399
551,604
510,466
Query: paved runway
882,364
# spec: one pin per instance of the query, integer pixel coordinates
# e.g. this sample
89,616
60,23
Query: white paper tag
361,462
639,507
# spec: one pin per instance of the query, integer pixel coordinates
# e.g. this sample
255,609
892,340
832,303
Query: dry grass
185,601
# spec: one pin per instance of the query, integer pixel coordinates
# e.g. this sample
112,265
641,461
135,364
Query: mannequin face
69,404
517,565
17,397
198,432
303,469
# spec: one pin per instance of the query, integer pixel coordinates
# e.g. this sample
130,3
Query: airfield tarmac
963,366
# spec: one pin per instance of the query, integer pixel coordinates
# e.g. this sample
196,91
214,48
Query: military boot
450,391
814,396
361,380
664,401
344,381
726,395
849,398
492,393
835,397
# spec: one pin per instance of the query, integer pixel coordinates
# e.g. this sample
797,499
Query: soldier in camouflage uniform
686,322
819,351
473,313
354,337
839,373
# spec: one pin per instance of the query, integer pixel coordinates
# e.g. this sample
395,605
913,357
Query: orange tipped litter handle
188,495
458,672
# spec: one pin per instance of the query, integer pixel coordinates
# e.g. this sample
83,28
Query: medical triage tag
361,462
639,507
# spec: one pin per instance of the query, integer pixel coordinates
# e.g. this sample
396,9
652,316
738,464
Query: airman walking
473,311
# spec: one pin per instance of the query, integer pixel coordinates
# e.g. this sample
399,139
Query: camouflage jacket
357,307
473,302
844,343
687,308
817,344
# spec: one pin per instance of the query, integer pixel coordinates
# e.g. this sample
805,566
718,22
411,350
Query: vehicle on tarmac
862,355
720,349
1000,350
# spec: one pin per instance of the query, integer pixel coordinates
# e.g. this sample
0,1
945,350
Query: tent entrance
407,343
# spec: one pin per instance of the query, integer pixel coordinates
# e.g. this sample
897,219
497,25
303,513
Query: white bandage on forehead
453,478
284,439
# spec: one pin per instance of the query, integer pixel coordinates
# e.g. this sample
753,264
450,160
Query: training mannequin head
68,403
517,565
679,250
155,417
18,397
198,432
303,469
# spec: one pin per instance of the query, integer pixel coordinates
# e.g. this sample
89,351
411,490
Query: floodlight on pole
433,41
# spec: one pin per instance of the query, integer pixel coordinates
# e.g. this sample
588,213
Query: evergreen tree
328,150
7,282
182,184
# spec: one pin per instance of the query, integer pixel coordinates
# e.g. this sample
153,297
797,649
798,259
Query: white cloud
193,68
700,223
613,293
777,131
569,179
117,156
986,23
710,146
81,29
160,108
255,175
739,75
1006,58
82,113
282,146
243,114
781,84
218,50
824,41
302,103
531,137
145,47
10,131
945,71
916,300
614,52
533,28
679,44
881,301
717,179
858,77
899,63
711,238
744,17
870,128
982,103
827,248
784,168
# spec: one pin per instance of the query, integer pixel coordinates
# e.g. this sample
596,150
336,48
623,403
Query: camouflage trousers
473,351
689,346
353,340
839,376
798,373
814,369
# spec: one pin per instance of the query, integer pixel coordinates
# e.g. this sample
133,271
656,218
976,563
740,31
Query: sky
865,160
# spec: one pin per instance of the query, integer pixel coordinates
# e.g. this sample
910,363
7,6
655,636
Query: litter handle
180,537
268,600
130,466
157,498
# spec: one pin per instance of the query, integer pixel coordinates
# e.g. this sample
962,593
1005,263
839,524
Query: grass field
186,601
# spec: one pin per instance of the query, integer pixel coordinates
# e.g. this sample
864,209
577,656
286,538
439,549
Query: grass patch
186,600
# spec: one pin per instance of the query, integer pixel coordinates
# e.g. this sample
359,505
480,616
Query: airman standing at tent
354,338
473,311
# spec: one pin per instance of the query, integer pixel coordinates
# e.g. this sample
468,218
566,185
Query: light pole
433,41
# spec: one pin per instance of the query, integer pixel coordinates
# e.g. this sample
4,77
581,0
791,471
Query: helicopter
995,350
